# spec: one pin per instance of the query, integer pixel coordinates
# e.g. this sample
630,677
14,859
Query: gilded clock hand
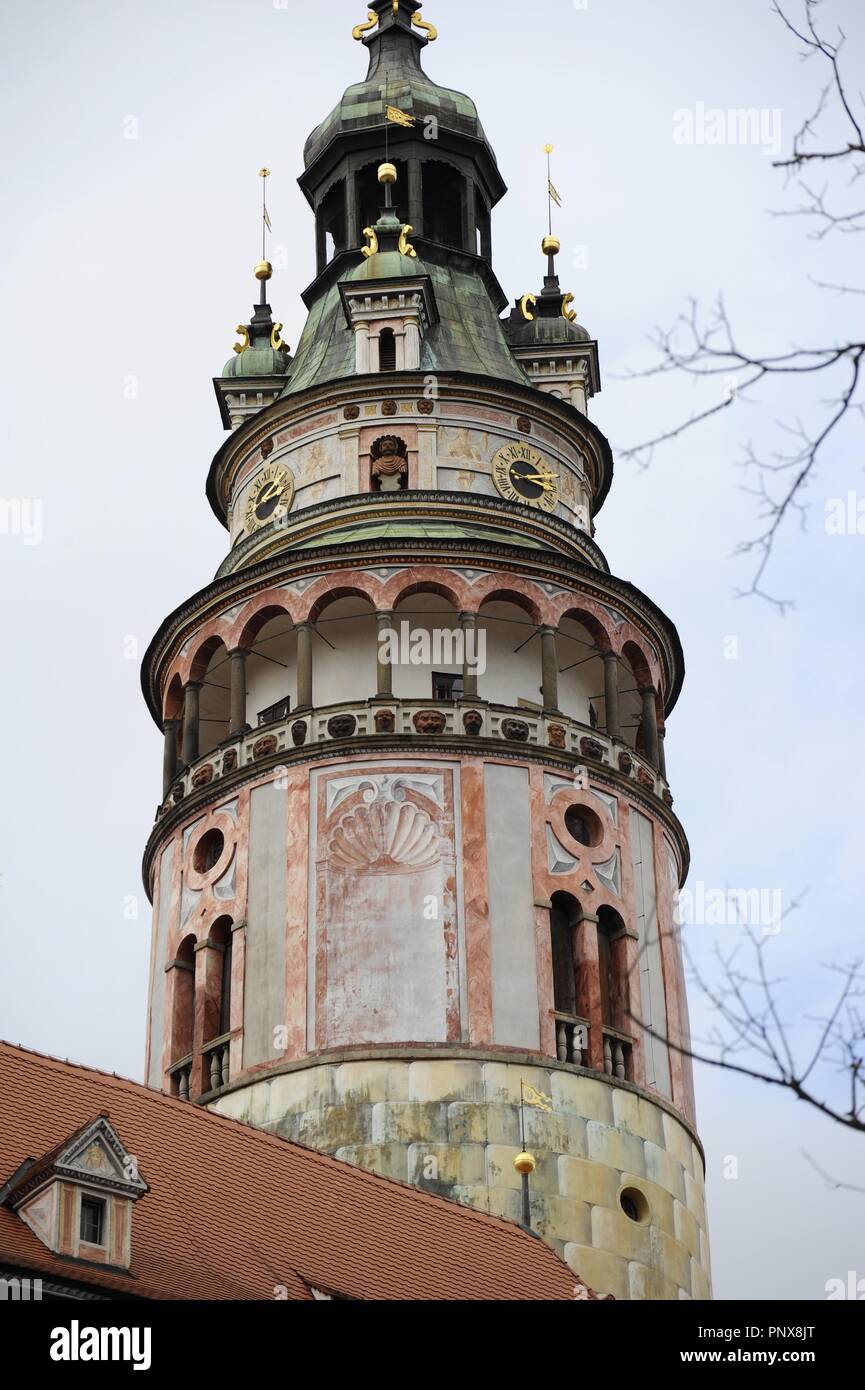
543,479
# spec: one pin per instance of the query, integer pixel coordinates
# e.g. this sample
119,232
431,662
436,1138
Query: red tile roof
234,1212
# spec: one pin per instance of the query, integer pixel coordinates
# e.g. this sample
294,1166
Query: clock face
270,499
521,474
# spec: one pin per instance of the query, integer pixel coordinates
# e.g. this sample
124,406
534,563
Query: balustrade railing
216,1057
572,1039
181,1078
618,1048
417,718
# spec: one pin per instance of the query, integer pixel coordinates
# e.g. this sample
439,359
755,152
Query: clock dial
521,474
271,498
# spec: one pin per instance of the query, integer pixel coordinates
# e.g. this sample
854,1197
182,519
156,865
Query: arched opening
614,991
217,1019
580,644
387,350
344,651
174,712
564,915
443,197
512,654
271,668
636,675
571,1023
183,1014
613,968
211,668
332,214
371,193
430,665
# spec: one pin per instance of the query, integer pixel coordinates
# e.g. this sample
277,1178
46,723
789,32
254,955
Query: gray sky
125,264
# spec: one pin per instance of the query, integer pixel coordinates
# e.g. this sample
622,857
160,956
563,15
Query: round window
584,826
208,851
635,1205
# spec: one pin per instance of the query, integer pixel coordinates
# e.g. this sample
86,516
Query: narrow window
387,351
92,1220
275,714
447,687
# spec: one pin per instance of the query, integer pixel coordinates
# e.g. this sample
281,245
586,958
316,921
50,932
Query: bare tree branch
703,349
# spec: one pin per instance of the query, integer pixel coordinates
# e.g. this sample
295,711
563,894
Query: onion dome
260,350
395,75
546,319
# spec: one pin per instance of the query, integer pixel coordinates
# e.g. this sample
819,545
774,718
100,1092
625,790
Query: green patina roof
362,105
469,336
258,361
412,527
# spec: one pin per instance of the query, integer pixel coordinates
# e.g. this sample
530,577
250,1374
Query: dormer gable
78,1197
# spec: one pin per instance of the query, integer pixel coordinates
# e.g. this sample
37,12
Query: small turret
557,353
261,360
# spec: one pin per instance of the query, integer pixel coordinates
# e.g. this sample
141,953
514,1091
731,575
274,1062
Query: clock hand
542,479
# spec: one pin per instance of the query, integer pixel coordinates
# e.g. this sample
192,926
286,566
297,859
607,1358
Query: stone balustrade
417,719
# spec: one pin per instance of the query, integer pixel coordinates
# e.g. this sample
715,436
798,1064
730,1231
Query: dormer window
78,1197
92,1224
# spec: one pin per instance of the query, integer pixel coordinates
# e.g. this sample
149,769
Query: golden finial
264,173
263,270
387,173
548,149
551,246
525,1163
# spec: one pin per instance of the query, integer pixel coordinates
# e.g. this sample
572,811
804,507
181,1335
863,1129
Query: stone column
320,243
470,234
361,342
587,965
352,230
191,695
469,624
238,692
169,757
384,678
611,694
662,756
650,726
549,670
412,345
304,666
415,196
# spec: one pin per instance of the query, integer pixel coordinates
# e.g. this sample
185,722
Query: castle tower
416,860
